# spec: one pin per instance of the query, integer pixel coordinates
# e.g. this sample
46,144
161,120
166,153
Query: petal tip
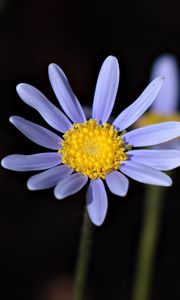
57,195
52,66
111,57
112,60
20,87
159,80
125,193
29,186
11,119
96,222
3,162
169,182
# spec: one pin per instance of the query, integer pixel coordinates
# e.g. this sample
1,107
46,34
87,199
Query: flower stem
83,259
148,239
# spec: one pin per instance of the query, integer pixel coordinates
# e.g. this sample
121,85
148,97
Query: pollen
92,149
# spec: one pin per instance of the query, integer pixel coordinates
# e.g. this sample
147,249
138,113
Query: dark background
39,234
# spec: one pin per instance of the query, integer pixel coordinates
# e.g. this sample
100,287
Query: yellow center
92,149
152,118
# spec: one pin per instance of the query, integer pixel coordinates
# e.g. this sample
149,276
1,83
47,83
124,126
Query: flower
93,149
165,108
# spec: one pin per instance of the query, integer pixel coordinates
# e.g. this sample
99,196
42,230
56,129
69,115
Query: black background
39,234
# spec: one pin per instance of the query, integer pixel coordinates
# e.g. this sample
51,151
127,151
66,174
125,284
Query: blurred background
39,234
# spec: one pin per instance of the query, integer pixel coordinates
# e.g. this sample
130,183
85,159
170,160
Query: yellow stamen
152,118
92,149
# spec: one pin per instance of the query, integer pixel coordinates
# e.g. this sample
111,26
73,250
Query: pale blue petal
145,174
106,89
97,202
132,113
40,161
167,99
36,133
50,113
117,183
65,95
49,178
163,160
153,134
70,185
171,145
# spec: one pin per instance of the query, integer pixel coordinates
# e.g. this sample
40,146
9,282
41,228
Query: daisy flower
93,150
165,108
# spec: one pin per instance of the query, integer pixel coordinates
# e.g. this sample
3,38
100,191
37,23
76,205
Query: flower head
165,108
93,149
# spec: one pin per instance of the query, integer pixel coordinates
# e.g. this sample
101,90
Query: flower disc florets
92,149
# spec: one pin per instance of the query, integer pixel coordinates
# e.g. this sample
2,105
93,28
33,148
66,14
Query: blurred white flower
165,108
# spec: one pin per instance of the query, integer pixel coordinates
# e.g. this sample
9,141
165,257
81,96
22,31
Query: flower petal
106,89
97,202
163,160
152,134
171,145
145,174
167,100
50,113
36,133
70,185
40,161
49,178
128,116
117,183
65,95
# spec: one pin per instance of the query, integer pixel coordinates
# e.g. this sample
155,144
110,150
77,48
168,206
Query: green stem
83,259
146,253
